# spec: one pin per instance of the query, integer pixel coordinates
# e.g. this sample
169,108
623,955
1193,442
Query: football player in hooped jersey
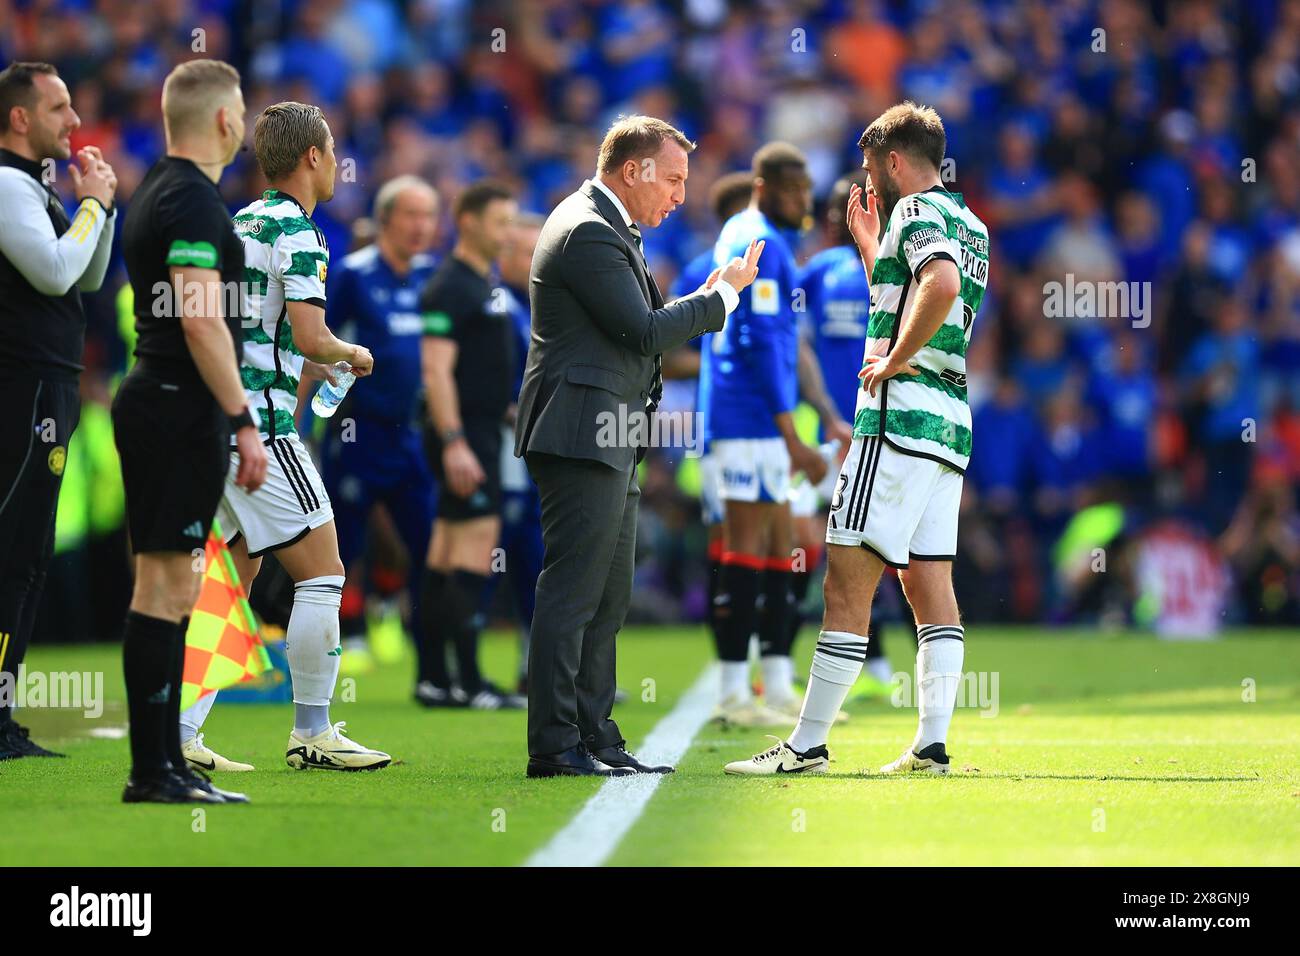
899,490
286,339
748,389
838,300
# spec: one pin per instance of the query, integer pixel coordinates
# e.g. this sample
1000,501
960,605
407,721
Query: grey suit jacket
599,323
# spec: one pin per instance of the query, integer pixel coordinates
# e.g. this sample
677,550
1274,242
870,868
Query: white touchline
591,837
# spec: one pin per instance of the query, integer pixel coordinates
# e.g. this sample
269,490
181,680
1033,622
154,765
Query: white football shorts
900,507
290,503
752,469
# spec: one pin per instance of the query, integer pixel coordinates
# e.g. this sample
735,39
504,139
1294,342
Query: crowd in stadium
1114,142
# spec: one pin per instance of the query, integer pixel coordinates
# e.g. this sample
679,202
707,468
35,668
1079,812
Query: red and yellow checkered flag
222,646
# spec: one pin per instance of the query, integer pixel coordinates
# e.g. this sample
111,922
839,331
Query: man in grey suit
593,379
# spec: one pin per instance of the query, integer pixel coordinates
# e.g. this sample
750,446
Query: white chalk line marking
592,836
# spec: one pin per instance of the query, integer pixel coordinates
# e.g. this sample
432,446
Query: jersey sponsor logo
764,297
321,270
405,323
58,457
922,238
731,476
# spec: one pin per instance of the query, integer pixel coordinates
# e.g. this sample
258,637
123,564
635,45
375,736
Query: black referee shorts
484,439
174,442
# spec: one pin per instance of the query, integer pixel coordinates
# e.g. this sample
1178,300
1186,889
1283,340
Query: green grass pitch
1103,750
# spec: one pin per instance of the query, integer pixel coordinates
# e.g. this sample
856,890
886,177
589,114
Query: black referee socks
149,650
172,731
433,627
461,599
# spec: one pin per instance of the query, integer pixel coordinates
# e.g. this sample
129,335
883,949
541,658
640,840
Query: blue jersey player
372,453
749,390
729,195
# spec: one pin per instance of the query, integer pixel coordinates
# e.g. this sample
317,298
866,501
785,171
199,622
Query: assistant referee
175,413
46,262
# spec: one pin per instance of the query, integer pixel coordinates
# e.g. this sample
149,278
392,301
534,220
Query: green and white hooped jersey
285,260
925,415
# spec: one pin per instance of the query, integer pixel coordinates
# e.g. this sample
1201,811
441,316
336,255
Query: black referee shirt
458,304
177,218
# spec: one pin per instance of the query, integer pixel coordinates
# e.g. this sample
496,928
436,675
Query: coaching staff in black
46,262
599,328
175,413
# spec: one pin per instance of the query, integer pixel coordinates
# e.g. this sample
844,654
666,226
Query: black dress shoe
618,756
199,779
15,742
166,786
574,762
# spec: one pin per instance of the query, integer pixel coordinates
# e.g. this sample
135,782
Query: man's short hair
730,194
907,128
283,132
636,137
18,88
474,199
386,198
774,160
193,92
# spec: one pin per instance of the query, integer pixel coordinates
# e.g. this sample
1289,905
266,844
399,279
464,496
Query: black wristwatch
239,421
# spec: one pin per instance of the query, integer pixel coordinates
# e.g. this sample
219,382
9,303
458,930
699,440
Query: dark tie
657,381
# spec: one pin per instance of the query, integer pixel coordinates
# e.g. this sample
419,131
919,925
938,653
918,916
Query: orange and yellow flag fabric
222,645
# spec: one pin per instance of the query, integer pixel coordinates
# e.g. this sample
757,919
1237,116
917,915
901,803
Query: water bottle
329,397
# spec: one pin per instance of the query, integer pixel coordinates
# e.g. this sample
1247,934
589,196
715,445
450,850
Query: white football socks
734,683
940,649
311,643
778,679
192,717
878,667
836,664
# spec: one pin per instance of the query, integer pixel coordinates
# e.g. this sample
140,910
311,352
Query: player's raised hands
740,272
95,178
863,223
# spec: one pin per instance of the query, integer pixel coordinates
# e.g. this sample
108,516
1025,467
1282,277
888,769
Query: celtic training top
927,414
285,260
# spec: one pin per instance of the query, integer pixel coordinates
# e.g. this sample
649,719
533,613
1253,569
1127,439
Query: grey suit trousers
589,513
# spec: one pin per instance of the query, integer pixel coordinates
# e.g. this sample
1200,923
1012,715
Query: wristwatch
451,435
237,422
